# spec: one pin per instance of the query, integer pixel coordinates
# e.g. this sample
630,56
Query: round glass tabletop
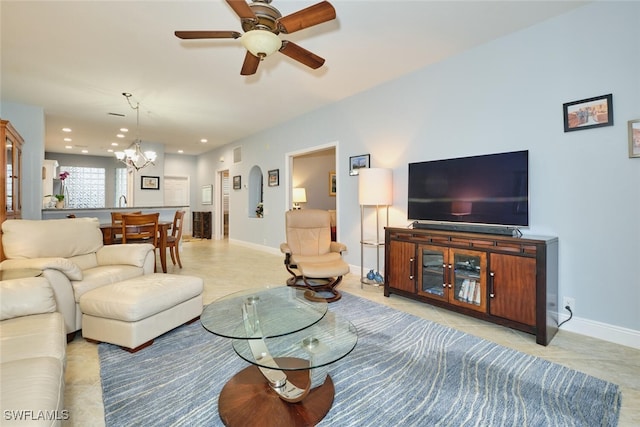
322,343
262,313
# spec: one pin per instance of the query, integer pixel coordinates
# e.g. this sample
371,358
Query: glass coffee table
290,342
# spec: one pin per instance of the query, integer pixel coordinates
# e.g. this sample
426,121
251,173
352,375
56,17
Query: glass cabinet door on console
457,276
433,277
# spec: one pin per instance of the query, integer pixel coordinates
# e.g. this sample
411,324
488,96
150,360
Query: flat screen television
488,189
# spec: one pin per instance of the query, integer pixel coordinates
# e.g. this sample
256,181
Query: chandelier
133,156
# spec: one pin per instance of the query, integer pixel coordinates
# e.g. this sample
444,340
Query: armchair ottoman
134,312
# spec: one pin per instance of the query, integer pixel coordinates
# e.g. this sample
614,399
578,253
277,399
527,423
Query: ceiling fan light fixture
261,43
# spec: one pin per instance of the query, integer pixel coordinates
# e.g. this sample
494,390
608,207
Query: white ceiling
75,58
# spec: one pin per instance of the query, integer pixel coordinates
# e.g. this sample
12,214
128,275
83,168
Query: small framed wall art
274,177
237,182
358,162
588,113
150,183
207,194
332,183
634,138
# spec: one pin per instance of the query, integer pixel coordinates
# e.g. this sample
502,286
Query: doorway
176,193
221,229
316,169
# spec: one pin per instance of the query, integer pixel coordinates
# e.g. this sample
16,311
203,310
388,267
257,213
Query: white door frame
218,207
289,172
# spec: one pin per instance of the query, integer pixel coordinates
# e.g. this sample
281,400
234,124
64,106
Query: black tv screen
488,189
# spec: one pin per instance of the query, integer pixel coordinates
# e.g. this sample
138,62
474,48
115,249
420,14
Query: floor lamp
375,189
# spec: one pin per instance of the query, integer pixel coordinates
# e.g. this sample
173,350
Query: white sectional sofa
32,354
72,258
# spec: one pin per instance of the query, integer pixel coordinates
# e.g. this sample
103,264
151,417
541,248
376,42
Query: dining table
109,229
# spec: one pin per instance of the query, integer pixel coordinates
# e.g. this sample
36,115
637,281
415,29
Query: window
121,187
84,187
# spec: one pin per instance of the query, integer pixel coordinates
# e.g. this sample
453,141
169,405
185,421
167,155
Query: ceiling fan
262,23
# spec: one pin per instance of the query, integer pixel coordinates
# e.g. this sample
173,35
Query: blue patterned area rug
404,371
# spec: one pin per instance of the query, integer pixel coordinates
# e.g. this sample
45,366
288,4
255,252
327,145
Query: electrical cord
570,316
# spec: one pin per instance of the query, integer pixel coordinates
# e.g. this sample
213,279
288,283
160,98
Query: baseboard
602,331
275,251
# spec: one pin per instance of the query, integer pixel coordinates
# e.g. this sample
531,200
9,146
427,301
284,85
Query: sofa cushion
50,238
39,335
22,297
128,254
103,275
85,261
35,385
68,267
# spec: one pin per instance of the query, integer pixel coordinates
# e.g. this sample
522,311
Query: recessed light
66,129
120,135
67,139
114,144
68,147
85,151
124,130
110,150
180,151
204,141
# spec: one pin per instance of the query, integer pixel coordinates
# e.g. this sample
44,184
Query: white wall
503,96
308,172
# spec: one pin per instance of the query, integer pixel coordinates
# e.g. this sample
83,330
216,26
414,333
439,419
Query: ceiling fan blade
301,55
250,64
207,34
242,9
307,17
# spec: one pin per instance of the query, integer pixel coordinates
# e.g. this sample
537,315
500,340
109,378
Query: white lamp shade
299,195
375,186
261,42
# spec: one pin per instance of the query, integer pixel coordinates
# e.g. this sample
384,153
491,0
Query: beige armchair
72,258
314,261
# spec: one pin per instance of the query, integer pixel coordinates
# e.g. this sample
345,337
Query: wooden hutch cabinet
10,181
511,281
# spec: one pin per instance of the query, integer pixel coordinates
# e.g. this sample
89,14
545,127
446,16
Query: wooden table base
247,400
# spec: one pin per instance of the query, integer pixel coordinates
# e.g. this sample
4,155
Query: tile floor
228,267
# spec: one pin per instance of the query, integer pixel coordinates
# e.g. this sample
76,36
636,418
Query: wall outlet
568,301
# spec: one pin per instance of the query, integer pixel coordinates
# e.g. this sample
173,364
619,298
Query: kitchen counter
104,214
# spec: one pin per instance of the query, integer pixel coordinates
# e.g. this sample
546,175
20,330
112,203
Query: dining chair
173,240
140,228
116,219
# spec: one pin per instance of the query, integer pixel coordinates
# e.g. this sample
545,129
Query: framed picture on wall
332,183
358,162
588,113
634,138
237,182
150,183
274,178
207,194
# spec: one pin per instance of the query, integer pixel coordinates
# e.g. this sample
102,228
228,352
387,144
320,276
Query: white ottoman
134,312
